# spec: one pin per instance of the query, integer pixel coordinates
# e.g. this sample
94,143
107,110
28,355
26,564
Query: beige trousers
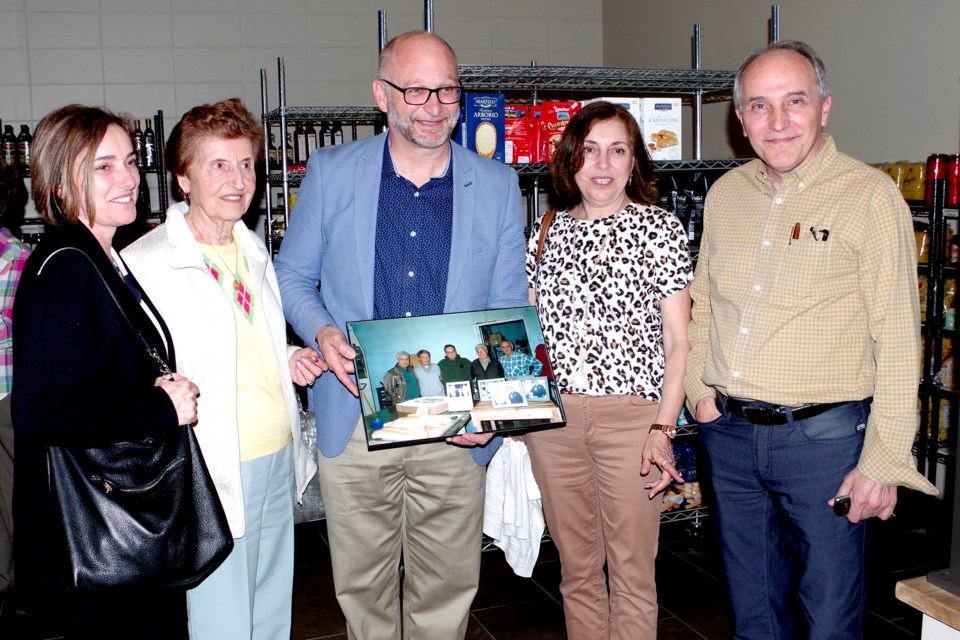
598,513
424,502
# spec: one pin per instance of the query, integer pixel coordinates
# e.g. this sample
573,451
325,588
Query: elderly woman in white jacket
214,283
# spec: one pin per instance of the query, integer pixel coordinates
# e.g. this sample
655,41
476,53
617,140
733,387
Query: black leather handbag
143,514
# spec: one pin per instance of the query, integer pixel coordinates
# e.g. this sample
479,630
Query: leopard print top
598,286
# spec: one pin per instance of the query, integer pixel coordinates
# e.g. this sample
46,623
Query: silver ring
664,463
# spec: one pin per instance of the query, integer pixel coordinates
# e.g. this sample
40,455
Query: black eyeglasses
417,96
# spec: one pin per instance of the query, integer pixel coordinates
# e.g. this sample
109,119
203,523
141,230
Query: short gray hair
796,46
402,354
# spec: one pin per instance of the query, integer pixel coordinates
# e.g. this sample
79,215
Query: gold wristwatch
669,430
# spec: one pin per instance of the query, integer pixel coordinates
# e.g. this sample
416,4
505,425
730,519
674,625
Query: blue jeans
790,563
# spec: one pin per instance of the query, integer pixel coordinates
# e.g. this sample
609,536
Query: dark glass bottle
9,142
272,158
312,143
24,140
149,146
288,149
143,199
336,134
138,142
325,131
300,150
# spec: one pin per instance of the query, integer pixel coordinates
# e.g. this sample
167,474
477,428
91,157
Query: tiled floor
691,594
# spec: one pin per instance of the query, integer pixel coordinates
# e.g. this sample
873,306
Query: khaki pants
423,501
598,513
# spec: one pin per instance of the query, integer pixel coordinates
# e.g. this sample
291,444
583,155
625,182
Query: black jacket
494,370
81,378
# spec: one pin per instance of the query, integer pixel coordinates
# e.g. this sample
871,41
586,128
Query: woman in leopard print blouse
610,287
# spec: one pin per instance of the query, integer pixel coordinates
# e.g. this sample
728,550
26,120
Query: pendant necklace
236,264
242,296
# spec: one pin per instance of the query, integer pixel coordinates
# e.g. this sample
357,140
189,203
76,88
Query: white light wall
893,66
142,55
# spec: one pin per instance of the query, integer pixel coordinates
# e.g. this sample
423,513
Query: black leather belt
773,414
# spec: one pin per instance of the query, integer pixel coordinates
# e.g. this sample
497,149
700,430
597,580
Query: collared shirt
519,365
413,236
808,294
14,255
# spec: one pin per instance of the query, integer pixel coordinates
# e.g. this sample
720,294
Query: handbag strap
545,223
165,370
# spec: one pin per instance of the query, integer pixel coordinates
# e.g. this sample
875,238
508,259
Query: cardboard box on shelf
660,121
483,124
518,134
552,119
630,104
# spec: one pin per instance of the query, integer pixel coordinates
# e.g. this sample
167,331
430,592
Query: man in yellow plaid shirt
805,357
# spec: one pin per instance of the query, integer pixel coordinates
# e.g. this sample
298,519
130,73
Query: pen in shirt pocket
824,234
795,234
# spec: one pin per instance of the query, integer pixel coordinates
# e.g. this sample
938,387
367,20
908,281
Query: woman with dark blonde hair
84,379
610,286
213,280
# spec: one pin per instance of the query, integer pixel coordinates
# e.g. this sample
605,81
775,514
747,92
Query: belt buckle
754,413
761,415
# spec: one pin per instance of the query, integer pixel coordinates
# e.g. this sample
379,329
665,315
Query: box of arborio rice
482,125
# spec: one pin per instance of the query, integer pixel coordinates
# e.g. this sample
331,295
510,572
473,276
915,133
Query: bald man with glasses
402,224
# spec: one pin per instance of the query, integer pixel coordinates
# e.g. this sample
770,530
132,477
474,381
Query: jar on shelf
922,236
949,312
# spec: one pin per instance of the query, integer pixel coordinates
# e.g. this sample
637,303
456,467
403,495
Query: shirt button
736,374
779,200
413,234
416,194
766,243
407,314
410,274
757,287
800,185
744,331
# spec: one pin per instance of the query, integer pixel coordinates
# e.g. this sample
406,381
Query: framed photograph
483,387
459,396
508,393
411,405
535,388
